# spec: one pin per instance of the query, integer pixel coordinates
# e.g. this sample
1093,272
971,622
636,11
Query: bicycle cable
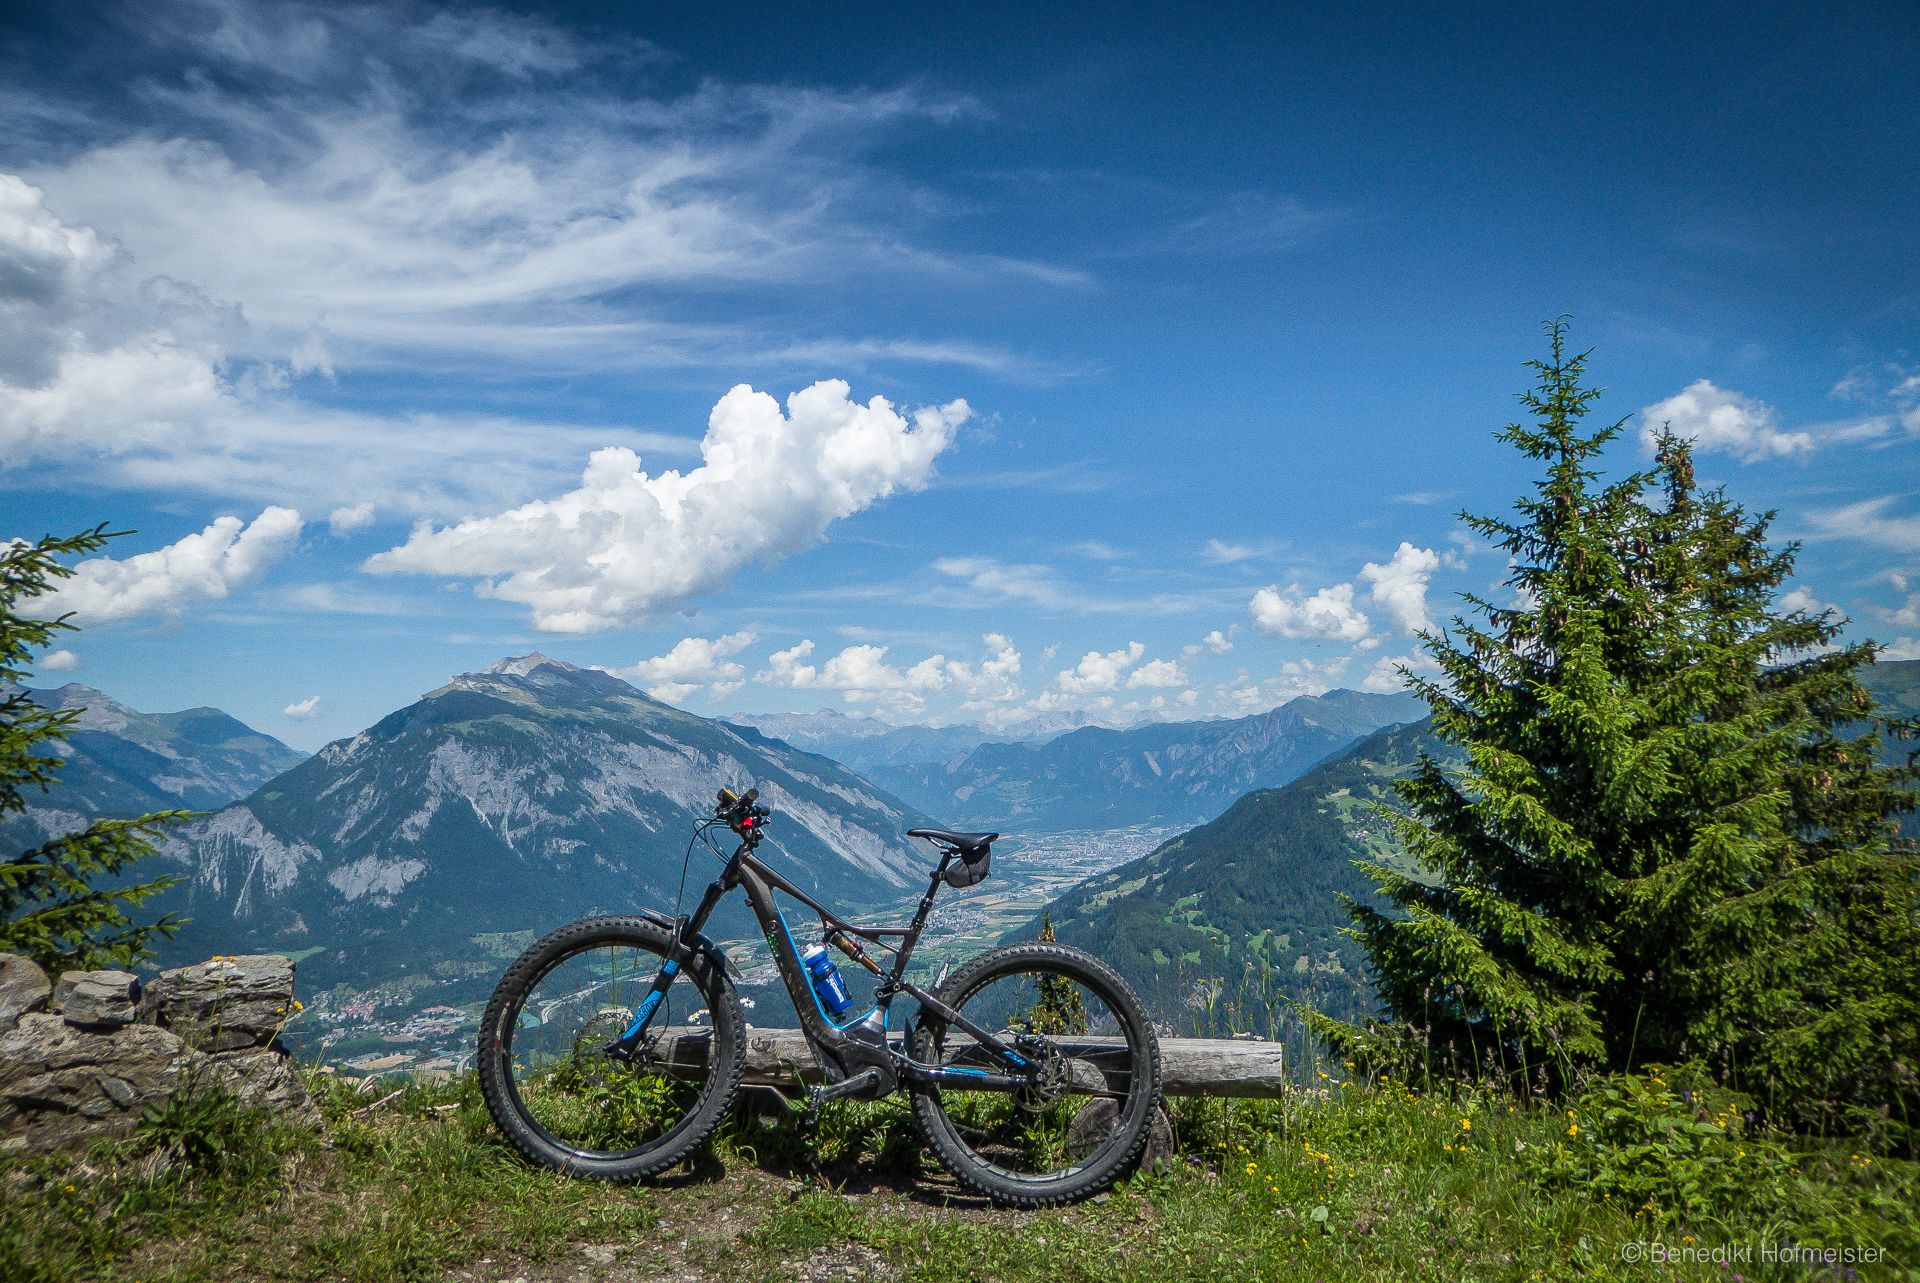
699,832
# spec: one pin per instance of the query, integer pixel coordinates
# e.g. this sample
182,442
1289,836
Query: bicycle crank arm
865,1080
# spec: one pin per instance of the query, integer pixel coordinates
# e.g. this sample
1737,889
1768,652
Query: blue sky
1192,331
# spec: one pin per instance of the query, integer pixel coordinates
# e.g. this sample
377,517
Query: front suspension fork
679,950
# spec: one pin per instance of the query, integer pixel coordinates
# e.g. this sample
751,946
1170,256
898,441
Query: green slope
1221,925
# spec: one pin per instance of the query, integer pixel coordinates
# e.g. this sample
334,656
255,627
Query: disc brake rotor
1048,1078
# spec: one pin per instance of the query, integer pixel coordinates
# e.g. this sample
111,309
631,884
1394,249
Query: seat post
905,951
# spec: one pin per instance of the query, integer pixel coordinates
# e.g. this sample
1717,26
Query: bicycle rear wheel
1082,1120
549,1082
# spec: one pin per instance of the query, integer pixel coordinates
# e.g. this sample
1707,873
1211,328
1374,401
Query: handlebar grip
738,804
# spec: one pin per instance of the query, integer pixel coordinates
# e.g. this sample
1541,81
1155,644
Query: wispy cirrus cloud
993,580
279,199
1870,521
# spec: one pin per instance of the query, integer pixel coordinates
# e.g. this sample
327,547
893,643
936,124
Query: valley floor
1346,1182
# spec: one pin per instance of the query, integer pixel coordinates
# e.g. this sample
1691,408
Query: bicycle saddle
965,843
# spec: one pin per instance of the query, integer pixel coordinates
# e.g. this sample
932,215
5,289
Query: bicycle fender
706,948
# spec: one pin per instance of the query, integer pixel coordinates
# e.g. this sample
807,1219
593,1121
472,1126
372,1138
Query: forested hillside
1221,924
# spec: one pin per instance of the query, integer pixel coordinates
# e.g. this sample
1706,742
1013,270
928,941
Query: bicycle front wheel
545,1072
1082,1119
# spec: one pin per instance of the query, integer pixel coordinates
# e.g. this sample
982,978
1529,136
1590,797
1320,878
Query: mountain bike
1033,1070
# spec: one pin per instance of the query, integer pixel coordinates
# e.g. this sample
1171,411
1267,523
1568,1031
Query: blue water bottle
826,980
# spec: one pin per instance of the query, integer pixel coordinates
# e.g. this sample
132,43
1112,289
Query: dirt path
703,1220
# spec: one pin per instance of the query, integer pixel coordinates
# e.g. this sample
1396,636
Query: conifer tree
54,907
1057,1009
1673,836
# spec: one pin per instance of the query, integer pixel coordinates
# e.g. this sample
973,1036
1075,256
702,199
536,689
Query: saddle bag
970,868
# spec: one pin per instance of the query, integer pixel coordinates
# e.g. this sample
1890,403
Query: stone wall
83,1058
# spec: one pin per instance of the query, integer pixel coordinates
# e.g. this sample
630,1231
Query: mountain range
122,762
507,801
1168,773
866,743
414,857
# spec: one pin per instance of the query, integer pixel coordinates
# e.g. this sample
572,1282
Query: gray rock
227,1004
1098,1118
61,1086
23,988
266,1078
97,999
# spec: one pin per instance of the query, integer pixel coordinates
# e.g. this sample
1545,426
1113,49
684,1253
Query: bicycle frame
855,1053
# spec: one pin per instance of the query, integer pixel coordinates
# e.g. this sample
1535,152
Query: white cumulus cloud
1386,677
1097,671
626,545
1714,418
301,710
1400,586
348,518
862,674
207,566
1328,615
694,664
1157,673
1215,642
59,661
1801,598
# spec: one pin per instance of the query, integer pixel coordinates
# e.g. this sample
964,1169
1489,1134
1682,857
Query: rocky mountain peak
543,677
521,665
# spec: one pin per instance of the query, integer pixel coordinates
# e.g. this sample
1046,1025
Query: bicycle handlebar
741,813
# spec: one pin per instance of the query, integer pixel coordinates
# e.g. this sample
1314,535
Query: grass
1349,1181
